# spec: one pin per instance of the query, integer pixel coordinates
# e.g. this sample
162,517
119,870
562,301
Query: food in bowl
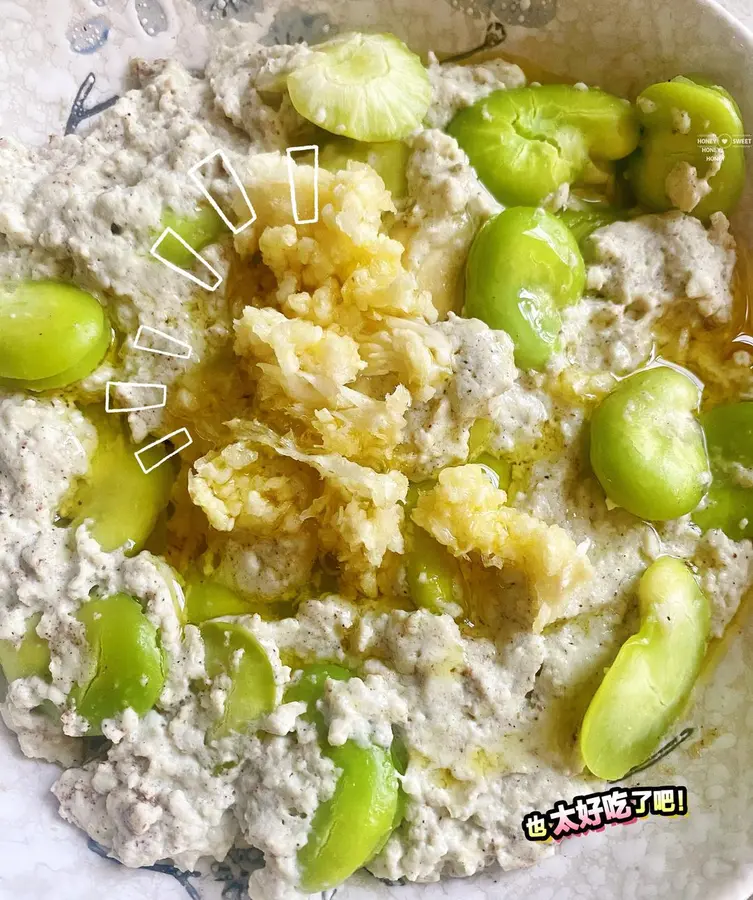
379,478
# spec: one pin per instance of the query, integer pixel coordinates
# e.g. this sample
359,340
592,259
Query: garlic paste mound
335,352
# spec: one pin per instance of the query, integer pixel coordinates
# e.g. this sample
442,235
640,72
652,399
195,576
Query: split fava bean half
526,142
369,87
524,266
649,682
729,503
352,826
30,656
207,599
200,230
120,511
688,122
230,649
388,159
647,446
583,222
432,573
126,667
51,334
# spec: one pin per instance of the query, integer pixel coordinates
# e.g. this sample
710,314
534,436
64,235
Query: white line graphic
184,347
162,440
138,385
186,274
192,172
291,179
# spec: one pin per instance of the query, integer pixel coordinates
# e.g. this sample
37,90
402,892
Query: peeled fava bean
432,573
647,446
524,266
125,662
650,681
51,335
388,159
30,656
352,826
690,156
232,650
526,142
583,222
729,502
207,599
369,87
121,510
200,230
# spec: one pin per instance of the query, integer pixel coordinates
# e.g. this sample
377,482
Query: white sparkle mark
192,172
131,385
184,272
184,347
291,178
163,440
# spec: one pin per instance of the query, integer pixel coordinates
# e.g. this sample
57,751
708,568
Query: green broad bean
647,447
388,159
309,687
526,142
200,230
207,599
121,511
232,650
478,452
369,87
499,468
729,502
583,222
126,667
432,573
29,657
523,267
352,826
649,682
51,334
679,118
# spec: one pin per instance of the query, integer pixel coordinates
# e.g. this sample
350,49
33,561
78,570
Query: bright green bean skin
729,503
647,447
232,650
526,142
126,665
309,687
712,110
369,87
205,227
30,657
122,511
432,573
649,682
206,599
388,159
51,334
583,222
352,826
523,267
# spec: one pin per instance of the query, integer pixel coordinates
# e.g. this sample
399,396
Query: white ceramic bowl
47,48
